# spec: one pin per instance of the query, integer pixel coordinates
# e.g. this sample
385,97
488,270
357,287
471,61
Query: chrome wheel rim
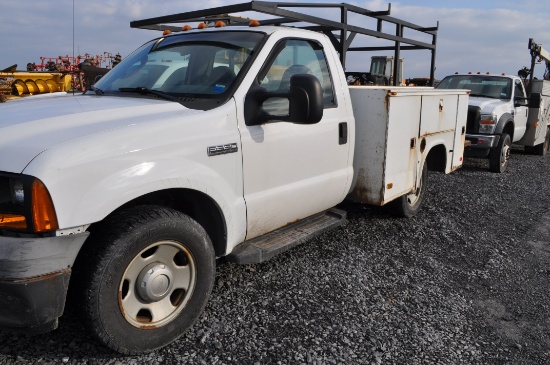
505,155
157,284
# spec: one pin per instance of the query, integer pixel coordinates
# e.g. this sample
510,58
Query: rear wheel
149,280
408,205
499,156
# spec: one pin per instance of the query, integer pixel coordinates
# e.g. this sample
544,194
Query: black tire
499,156
542,149
408,205
169,254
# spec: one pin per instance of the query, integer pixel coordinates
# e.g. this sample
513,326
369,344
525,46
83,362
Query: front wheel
499,156
408,205
149,279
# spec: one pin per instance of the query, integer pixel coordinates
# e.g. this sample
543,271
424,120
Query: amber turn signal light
43,212
14,221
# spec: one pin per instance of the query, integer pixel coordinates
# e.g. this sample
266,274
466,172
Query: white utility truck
227,141
502,111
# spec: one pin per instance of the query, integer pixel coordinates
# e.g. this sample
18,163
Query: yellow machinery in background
60,74
15,84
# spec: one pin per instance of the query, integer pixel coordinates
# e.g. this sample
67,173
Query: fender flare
503,121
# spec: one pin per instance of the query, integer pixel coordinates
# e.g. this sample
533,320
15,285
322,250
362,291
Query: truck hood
29,126
487,105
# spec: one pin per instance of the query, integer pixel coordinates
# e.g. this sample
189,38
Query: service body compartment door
402,164
386,155
443,122
539,114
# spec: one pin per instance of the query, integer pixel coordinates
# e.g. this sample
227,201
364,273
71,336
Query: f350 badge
222,149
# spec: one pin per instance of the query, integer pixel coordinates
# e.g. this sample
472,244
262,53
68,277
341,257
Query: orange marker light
219,24
203,26
254,23
43,211
166,32
12,221
186,27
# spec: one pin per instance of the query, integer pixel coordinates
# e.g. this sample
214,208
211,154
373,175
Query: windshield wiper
480,95
96,90
145,91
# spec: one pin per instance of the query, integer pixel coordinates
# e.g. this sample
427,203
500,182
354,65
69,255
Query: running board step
263,248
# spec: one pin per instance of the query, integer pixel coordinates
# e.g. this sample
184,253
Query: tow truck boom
537,51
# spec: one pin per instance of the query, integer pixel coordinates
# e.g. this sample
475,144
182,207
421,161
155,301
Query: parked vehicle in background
502,112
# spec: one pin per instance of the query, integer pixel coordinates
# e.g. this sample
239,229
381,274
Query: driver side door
291,170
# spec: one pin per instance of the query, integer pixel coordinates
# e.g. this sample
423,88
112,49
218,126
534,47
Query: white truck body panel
396,127
105,151
539,118
293,171
500,107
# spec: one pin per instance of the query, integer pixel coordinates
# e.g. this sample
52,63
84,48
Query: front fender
89,178
80,201
503,122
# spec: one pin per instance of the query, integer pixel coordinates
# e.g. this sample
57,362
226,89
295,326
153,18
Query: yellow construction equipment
21,83
39,82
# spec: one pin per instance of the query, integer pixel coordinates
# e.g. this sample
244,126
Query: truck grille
474,116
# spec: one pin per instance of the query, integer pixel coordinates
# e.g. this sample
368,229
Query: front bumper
483,141
34,278
480,144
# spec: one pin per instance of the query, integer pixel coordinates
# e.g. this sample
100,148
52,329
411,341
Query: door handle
343,133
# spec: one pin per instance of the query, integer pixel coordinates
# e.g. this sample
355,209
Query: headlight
26,205
488,123
18,193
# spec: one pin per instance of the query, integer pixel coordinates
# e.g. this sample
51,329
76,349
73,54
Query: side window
519,90
296,57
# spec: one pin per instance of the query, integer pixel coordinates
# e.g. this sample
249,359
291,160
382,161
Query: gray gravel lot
463,282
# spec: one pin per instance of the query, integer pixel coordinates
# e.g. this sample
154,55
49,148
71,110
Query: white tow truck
231,141
502,112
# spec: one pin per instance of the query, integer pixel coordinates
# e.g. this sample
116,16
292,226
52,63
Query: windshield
482,86
200,65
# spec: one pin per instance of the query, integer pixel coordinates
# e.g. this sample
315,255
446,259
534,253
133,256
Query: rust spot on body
439,132
49,276
148,327
423,145
120,303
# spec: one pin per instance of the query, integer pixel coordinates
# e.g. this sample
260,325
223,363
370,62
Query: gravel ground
463,282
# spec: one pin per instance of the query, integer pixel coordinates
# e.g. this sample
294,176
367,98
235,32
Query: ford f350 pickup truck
233,142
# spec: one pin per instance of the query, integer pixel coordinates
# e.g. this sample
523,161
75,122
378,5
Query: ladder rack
342,40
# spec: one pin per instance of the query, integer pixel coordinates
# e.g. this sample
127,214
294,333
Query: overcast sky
481,35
